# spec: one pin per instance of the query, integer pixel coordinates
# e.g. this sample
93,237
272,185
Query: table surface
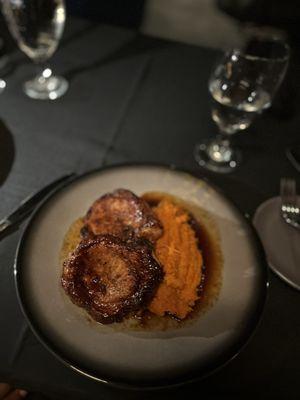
134,98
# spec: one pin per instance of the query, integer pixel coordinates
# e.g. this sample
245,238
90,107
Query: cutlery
293,157
290,210
29,204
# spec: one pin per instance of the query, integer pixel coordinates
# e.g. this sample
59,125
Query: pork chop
121,214
111,278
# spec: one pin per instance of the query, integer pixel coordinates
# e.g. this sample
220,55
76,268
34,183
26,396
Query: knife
294,157
29,203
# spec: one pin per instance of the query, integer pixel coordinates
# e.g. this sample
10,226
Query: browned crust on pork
122,214
111,278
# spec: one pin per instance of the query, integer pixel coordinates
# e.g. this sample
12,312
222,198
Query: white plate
140,358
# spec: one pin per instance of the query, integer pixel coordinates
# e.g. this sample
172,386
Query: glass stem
223,139
220,149
44,72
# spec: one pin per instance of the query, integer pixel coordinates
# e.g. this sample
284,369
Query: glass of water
241,86
37,26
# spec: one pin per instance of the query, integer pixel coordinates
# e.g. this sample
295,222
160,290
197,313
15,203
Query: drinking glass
37,26
3,62
241,86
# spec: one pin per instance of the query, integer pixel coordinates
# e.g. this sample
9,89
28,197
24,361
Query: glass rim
251,57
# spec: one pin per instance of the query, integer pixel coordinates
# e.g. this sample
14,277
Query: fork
290,210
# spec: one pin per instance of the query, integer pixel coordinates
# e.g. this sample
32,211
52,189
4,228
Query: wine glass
37,26
241,86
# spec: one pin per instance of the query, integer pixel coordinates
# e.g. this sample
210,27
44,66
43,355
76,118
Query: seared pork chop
121,214
111,278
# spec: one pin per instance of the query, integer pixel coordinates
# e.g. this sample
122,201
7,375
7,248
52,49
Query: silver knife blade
29,203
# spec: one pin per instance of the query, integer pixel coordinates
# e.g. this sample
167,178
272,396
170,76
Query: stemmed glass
241,85
3,62
37,26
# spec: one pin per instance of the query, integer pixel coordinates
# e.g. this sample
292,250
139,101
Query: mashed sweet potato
178,252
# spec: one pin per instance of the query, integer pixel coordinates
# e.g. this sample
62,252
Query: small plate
148,358
280,241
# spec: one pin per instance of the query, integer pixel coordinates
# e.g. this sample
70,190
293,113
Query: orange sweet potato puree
181,259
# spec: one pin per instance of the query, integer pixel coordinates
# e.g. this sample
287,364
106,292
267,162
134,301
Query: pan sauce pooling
187,287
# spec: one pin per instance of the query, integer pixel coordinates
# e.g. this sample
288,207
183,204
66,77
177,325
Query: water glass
242,85
37,26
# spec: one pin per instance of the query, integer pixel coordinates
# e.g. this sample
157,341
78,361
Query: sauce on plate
211,281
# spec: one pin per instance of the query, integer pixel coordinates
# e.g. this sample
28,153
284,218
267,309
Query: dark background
144,99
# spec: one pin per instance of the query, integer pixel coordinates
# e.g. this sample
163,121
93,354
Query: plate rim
272,266
211,368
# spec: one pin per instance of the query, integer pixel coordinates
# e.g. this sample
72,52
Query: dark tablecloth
134,98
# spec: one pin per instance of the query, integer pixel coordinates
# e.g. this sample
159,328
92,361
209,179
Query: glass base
207,157
2,85
46,88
